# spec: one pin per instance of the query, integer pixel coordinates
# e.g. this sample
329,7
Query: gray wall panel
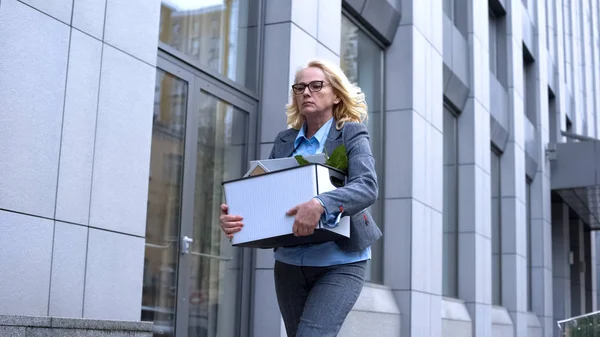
25,274
122,149
277,11
113,280
79,126
305,15
268,324
528,30
68,270
88,16
32,90
460,57
59,9
329,35
499,103
276,90
132,27
399,90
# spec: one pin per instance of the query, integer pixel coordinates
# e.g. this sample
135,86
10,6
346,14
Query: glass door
215,272
172,107
208,283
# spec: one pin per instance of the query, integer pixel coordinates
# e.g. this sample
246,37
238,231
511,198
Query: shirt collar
319,136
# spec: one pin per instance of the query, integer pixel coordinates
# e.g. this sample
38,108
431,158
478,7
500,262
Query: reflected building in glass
120,121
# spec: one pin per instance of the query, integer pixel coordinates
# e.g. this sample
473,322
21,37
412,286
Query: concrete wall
76,93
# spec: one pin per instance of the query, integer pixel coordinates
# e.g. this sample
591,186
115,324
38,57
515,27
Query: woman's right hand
230,223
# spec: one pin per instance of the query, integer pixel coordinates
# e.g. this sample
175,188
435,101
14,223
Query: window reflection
216,267
220,34
159,297
361,60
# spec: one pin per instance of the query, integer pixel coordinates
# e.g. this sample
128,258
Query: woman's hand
230,223
307,215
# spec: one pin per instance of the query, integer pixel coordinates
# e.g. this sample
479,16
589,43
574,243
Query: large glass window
362,61
450,243
221,35
496,228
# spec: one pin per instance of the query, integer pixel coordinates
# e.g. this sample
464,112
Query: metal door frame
199,81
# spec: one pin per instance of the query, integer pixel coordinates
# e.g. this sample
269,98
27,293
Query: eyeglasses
313,86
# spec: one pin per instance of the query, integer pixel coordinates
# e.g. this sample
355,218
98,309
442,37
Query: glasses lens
315,86
298,88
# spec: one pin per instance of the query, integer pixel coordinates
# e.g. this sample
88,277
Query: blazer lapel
286,147
333,139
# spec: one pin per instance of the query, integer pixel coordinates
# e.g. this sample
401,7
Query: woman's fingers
231,230
230,218
230,224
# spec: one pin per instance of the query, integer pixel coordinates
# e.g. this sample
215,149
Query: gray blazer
361,189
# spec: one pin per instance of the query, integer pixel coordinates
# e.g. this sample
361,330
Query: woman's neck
314,124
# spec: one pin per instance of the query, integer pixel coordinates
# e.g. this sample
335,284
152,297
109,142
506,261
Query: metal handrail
578,317
210,256
218,257
574,327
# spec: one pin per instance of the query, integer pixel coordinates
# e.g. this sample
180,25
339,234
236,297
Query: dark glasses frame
313,86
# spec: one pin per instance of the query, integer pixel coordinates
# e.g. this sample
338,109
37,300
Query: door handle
186,242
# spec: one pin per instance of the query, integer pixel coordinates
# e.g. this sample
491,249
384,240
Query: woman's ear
336,100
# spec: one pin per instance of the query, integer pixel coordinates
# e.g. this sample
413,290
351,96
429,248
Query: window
450,241
457,13
529,83
220,35
497,45
528,219
496,227
362,61
493,44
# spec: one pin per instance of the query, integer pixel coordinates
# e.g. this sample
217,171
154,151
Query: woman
317,285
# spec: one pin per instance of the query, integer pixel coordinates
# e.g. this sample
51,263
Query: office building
120,119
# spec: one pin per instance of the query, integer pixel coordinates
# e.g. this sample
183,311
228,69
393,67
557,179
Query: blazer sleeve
361,189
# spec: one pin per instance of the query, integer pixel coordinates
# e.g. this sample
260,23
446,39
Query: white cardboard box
262,200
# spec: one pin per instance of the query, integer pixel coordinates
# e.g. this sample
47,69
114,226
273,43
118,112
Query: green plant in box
338,159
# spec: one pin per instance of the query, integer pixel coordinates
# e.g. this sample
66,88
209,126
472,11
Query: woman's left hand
307,215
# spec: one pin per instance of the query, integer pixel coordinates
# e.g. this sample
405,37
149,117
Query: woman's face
314,93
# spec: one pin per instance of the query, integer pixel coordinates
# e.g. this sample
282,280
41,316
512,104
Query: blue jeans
314,301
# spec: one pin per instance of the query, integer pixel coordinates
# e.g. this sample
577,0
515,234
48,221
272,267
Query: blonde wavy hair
351,108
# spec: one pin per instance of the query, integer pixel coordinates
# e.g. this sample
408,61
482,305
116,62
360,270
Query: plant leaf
301,160
338,158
